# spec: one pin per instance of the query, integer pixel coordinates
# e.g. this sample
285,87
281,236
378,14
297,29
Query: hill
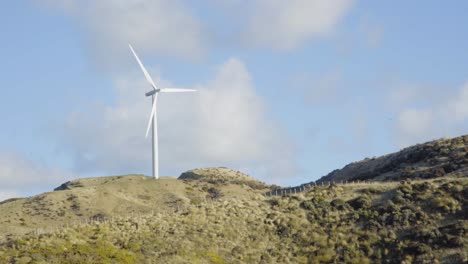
443,157
217,215
105,197
411,222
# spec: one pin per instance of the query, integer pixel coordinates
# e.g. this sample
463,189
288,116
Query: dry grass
111,196
175,221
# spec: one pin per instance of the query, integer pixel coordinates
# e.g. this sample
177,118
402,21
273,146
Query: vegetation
409,222
438,158
415,210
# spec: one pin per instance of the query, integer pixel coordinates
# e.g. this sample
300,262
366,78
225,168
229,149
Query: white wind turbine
153,117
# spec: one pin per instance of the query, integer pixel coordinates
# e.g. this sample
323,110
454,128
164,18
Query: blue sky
289,90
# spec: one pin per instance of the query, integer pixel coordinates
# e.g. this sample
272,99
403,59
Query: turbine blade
176,90
145,72
153,112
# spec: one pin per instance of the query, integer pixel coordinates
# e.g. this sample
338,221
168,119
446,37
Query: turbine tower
153,117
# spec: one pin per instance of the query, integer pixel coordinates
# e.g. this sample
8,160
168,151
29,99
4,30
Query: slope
411,222
443,157
105,197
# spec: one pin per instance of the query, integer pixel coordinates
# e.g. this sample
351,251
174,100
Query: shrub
214,193
339,203
445,203
308,205
362,202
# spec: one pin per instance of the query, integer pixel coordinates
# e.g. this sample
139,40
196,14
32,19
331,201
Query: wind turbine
153,117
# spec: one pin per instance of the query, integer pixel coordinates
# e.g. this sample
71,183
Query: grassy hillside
83,199
228,220
438,158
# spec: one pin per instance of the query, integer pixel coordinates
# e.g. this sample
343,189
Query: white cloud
164,27
223,124
19,175
415,122
171,27
446,117
7,195
284,25
459,107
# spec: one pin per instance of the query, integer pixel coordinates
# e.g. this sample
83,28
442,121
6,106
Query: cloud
224,124
173,28
4,195
163,27
459,107
19,175
446,117
284,25
415,122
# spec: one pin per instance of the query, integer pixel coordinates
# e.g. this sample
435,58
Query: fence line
308,186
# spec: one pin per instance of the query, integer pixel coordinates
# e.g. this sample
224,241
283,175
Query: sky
287,90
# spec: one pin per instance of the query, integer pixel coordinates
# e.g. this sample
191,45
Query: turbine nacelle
150,93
